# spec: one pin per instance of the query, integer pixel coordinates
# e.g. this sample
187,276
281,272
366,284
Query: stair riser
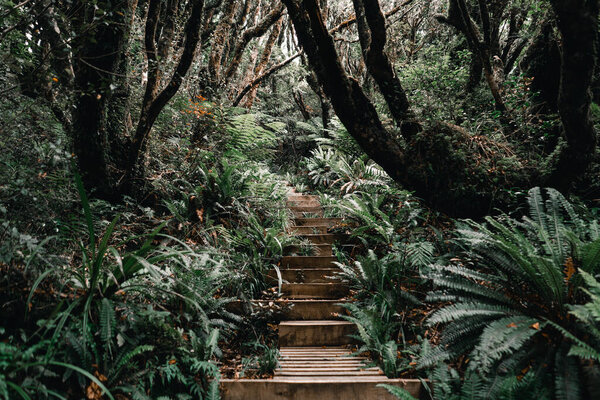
296,311
317,250
303,203
315,335
307,214
314,290
317,221
323,239
309,209
336,372
307,230
307,262
302,197
316,310
326,389
314,275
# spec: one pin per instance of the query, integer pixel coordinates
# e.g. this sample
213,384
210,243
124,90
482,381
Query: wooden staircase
315,356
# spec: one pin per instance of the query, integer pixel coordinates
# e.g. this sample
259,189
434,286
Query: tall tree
154,101
577,22
423,164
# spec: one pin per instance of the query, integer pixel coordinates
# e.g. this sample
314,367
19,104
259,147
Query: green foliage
514,289
253,134
378,331
265,362
330,168
400,393
589,315
380,217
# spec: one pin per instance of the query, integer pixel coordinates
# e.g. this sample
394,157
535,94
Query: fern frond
398,392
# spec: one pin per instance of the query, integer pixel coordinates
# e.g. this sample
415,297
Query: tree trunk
577,21
541,62
98,56
350,103
152,107
373,36
264,59
254,32
219,40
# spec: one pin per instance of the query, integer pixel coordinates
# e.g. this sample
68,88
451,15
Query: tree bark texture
153,105
264,59
373,37
350,103
96,63
219,40
256,31
577,21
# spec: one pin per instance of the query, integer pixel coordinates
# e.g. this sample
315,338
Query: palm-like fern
507,302
328,167
377,330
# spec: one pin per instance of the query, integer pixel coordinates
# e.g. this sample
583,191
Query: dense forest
151,151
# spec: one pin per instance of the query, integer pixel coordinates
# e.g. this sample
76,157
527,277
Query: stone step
328,238
317,221
315,333
308,261
317,250
307,230
306,275
316,388
333,290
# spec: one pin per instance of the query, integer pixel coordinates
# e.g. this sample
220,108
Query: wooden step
317,250
299,309
328,238
316,388
331,290
293,197
309,275
306,230
317,221
301,202
328,372
308,261
322,363
307,209
315,333
315,309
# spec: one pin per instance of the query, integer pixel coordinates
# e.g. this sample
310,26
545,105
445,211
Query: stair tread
318,322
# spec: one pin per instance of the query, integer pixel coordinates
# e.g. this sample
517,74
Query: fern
398,392
213,391
514,297
108,320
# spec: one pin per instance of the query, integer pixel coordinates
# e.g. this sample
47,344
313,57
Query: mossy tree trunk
435,164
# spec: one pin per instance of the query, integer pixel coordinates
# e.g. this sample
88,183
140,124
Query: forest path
315,346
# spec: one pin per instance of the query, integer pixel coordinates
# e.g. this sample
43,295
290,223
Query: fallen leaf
569,269
536,326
